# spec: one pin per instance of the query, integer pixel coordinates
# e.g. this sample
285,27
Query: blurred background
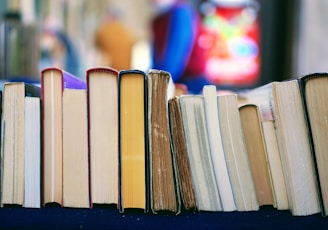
230,43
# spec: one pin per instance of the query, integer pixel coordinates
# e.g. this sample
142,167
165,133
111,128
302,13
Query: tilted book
199,155
285,108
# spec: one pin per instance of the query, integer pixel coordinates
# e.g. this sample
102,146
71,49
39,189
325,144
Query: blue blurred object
69,54
72,62
174,31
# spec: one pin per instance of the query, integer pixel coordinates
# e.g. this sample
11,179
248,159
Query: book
235,151
102,91
133,143
75,149
163,189
13,141
314,94
1,146
216,148
180,155
32,169
199,155
295,149
292,132
257,155
53,82
259,97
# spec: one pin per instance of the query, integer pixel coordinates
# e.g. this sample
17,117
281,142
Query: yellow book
133,158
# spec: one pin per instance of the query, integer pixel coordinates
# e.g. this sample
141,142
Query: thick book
216,148
102,91
285,106
133,144
163,184
199,155
314,94
236,154
53,82
76,187
180,156
257,153
13,142
294,145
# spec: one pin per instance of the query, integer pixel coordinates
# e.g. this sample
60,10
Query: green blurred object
19,49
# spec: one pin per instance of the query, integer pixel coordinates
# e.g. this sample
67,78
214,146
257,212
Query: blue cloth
110,218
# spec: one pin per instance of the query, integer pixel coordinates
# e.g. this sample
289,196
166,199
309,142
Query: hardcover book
53,82
102,91
163,184
133,147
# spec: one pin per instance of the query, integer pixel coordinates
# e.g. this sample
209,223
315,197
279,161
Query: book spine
69,80
101,69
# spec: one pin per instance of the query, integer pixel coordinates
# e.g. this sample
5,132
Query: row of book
129,138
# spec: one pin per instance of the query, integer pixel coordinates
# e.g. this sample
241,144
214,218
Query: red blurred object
229,42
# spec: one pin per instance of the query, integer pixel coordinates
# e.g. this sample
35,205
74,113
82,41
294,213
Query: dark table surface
110,218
